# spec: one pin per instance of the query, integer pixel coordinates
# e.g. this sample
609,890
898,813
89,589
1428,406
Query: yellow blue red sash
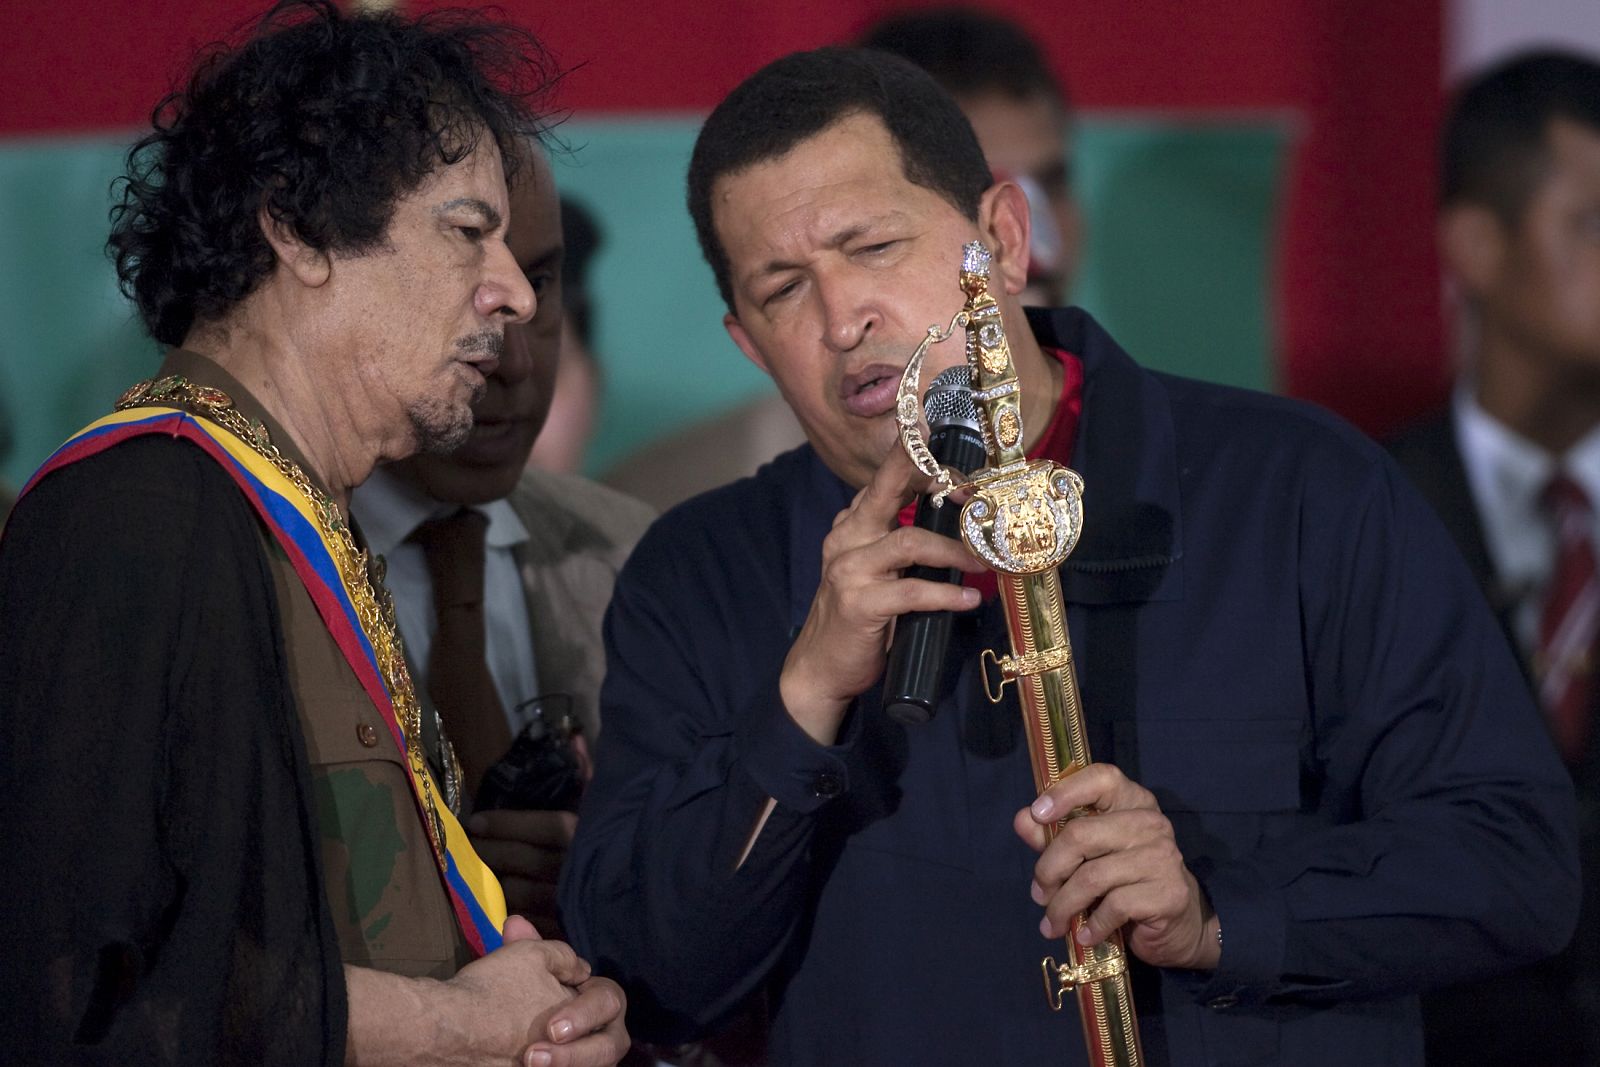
474,891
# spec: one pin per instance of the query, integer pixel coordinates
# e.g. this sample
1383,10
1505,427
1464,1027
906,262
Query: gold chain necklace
373,605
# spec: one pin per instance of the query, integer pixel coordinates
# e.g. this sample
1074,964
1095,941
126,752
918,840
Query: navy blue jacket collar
1126,451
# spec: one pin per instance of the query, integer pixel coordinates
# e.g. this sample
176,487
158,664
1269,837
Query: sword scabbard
1023,519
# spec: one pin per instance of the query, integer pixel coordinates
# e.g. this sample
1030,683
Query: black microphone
911,682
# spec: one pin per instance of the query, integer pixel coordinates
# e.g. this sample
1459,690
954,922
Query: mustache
483,343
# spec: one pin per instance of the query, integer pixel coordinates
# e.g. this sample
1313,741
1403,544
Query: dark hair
1494,149
582,238
800,95
325,120
970,53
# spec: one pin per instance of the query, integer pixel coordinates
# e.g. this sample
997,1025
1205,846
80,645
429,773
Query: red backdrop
1356,269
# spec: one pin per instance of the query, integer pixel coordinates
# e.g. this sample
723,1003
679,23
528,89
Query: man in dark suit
1513,465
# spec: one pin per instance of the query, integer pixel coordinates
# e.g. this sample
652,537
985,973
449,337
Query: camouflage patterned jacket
388,902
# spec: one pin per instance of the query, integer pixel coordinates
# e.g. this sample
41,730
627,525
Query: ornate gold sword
1022,520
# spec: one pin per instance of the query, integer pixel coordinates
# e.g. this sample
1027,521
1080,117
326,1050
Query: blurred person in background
1513,468
575,404
1022,115
500,576
712,452
705,454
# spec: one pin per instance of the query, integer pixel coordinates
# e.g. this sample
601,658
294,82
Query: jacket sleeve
1438,831
695,741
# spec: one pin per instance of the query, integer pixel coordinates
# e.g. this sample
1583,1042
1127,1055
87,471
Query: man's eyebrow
837,240
490,216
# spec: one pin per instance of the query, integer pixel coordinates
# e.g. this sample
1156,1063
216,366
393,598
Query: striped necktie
1569,619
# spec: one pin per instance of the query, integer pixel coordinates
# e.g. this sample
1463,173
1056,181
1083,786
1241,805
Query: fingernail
561,1029
970,596
1084,936
1042,807
1036,891
1045,928
477,823
539,1058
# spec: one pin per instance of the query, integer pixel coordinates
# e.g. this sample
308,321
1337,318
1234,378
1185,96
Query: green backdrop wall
1181,232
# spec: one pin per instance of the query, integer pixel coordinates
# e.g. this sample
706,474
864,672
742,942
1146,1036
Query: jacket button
828,785
368,734
1222,1003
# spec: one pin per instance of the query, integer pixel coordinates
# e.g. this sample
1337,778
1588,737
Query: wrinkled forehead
477,176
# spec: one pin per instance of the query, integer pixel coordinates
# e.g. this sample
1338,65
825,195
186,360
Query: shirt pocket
389,905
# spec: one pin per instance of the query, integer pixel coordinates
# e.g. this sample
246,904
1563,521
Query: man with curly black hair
236,824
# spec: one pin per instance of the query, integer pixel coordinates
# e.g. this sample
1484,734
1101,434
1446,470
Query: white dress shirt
1507,473
389,510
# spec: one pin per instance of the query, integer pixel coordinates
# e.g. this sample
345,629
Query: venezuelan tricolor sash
291,514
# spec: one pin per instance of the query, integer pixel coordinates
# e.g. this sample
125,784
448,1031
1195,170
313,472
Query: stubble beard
442,427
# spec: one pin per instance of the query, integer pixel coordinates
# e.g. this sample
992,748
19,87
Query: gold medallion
135,393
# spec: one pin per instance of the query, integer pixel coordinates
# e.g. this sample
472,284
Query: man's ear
1473,243
746,345
1005,227
309,266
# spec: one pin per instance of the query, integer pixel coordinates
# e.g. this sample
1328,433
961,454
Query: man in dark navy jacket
1324,787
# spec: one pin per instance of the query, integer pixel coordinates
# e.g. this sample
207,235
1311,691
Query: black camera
540,771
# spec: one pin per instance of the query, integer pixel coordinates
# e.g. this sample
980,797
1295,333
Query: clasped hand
583,1027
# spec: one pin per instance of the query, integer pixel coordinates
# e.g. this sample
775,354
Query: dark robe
163,891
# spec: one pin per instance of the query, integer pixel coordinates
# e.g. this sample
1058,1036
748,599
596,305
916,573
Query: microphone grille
949,399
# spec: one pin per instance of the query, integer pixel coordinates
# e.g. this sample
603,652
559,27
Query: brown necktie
458,671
